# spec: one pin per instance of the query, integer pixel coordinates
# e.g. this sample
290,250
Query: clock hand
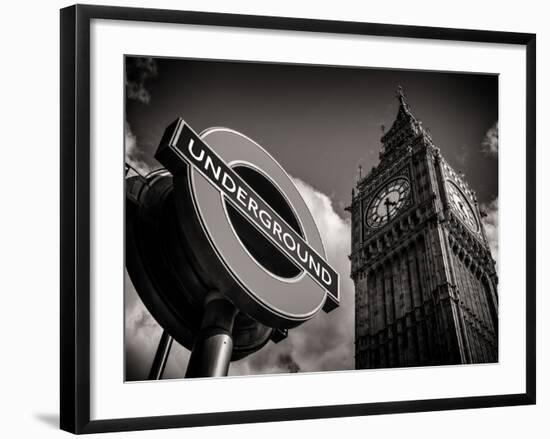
388,203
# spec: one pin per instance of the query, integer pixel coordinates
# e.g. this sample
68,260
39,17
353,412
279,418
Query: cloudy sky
320,123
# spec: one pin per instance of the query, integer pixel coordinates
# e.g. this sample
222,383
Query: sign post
161,356
213,346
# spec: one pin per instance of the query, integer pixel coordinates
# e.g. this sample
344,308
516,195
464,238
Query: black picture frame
75,217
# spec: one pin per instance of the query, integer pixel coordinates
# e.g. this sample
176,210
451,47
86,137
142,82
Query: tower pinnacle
402,98
404,128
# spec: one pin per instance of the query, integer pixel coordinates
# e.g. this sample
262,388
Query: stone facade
425,281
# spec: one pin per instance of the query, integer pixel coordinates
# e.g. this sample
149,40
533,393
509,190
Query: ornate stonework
425,281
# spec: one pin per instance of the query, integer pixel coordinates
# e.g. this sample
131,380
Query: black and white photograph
292,218
275,219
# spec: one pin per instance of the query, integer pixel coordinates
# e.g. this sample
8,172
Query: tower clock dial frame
462,206
390,199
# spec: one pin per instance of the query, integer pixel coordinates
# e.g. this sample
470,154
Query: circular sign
231,253
164,272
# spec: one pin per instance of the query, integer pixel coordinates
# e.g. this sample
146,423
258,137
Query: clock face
462,207
388,202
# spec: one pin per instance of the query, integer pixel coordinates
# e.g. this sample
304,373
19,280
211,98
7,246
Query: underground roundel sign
255,222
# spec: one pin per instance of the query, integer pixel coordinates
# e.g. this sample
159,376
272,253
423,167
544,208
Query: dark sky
319,123
331,115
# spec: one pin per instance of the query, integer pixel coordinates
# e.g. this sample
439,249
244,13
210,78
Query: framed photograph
267,218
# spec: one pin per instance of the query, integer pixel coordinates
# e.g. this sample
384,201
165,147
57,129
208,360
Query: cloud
138,72
285,361
326,342
490,224
489,144
134,155
141,334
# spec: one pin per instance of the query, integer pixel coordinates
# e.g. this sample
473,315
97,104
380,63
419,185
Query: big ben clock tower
425,281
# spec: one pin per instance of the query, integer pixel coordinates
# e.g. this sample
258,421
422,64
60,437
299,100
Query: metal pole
161,357
214,344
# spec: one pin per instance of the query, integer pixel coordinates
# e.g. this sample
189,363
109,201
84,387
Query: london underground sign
216,168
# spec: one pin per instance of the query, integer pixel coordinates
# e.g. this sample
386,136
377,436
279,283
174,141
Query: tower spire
402,98
403,129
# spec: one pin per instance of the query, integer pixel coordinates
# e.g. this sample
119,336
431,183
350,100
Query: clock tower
425,281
